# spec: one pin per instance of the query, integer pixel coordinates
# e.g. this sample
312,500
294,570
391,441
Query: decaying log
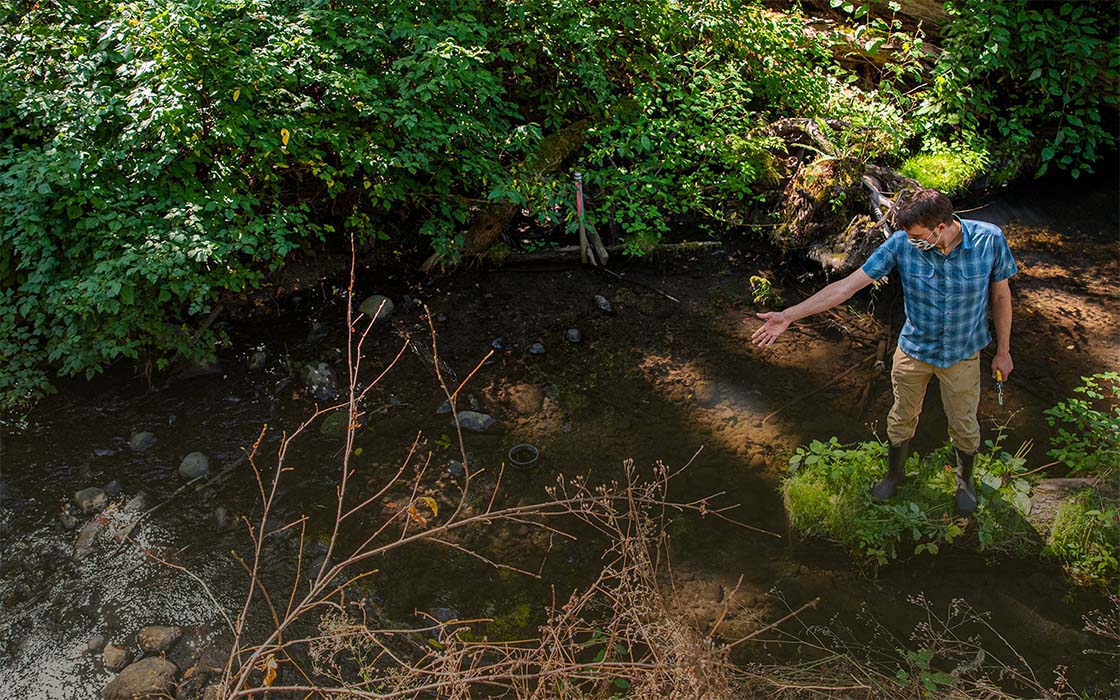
494,217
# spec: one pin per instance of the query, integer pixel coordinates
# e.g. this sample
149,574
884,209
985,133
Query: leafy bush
1084,538
1088,429
828,494
1028,75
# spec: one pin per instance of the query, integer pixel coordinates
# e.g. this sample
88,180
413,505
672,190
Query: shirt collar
966,234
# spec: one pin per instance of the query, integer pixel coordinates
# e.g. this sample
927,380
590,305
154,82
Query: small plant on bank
950,168
762,292
828,495
1084,538
1088,429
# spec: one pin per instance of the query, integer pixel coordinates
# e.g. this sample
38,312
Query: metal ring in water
523,456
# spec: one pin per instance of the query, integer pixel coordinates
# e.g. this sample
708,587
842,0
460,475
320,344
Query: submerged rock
573,335
146,679
603,304
91,500
706,393
142,441
320,380
155,639
536,349
194,465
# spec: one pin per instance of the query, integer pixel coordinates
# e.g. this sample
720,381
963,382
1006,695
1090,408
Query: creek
652,380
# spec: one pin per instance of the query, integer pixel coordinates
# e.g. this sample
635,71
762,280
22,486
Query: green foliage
1085,536
762,292
827,494
948,168
1088,429
1027,75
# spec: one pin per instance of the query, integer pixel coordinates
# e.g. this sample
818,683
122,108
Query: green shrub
1085,537
827,494
1088,429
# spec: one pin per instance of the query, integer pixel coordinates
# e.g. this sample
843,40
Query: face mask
923,244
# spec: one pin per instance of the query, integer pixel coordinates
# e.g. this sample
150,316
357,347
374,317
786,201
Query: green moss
509,624
1085,537
948,168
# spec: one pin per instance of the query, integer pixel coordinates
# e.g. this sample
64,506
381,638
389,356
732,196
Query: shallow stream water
625,392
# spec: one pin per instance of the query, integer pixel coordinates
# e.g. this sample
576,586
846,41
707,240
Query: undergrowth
828,494
1085,536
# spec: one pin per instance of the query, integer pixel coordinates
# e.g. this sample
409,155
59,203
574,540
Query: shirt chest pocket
973,282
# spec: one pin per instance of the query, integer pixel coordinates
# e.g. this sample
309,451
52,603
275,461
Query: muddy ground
656,379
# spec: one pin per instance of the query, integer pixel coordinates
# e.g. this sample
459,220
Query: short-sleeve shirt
946,296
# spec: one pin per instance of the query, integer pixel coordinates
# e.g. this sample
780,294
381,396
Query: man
951,269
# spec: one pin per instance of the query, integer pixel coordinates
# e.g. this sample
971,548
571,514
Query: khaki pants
960,395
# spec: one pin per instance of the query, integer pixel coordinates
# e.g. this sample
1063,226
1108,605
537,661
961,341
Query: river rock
377,307
142,441
146,679
194,465
114,488
499,344
536,349
91,500
573,335
335,425
115,657
259,360
157,639
103,452
603,304
221,517
444,408
320,380
95,644
475,421
706,393
67,519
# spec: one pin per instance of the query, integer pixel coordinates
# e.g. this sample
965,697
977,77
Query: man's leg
909,378
960,395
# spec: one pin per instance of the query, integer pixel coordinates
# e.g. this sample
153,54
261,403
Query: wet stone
103,452
194,465
444,408
146,679
603,304
259,360
499,344
573,335
91,500
67,519
95,644
475,422
377,307
221,517
115,657
114,488
536,349
155,639
142,441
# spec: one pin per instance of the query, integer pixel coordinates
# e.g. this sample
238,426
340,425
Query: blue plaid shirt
946,296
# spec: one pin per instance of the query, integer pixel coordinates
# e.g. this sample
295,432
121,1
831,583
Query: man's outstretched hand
767,333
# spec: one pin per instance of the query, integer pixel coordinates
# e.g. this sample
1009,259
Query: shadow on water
652,381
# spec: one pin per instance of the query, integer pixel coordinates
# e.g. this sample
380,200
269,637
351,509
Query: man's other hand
767,333
1002,363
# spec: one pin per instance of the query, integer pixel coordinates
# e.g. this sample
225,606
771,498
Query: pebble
95,644
499,344
153,677
259,361
91,500
603,304
221,516
194,465
572,335
319,378
103,452
142,441
114,488
69,522
536,349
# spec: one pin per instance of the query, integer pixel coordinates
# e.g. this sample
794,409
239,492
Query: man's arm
836,293
1001,317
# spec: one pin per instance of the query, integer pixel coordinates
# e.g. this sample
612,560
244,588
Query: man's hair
925,207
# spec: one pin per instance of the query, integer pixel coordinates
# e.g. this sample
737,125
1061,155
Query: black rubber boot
896,472
966,490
